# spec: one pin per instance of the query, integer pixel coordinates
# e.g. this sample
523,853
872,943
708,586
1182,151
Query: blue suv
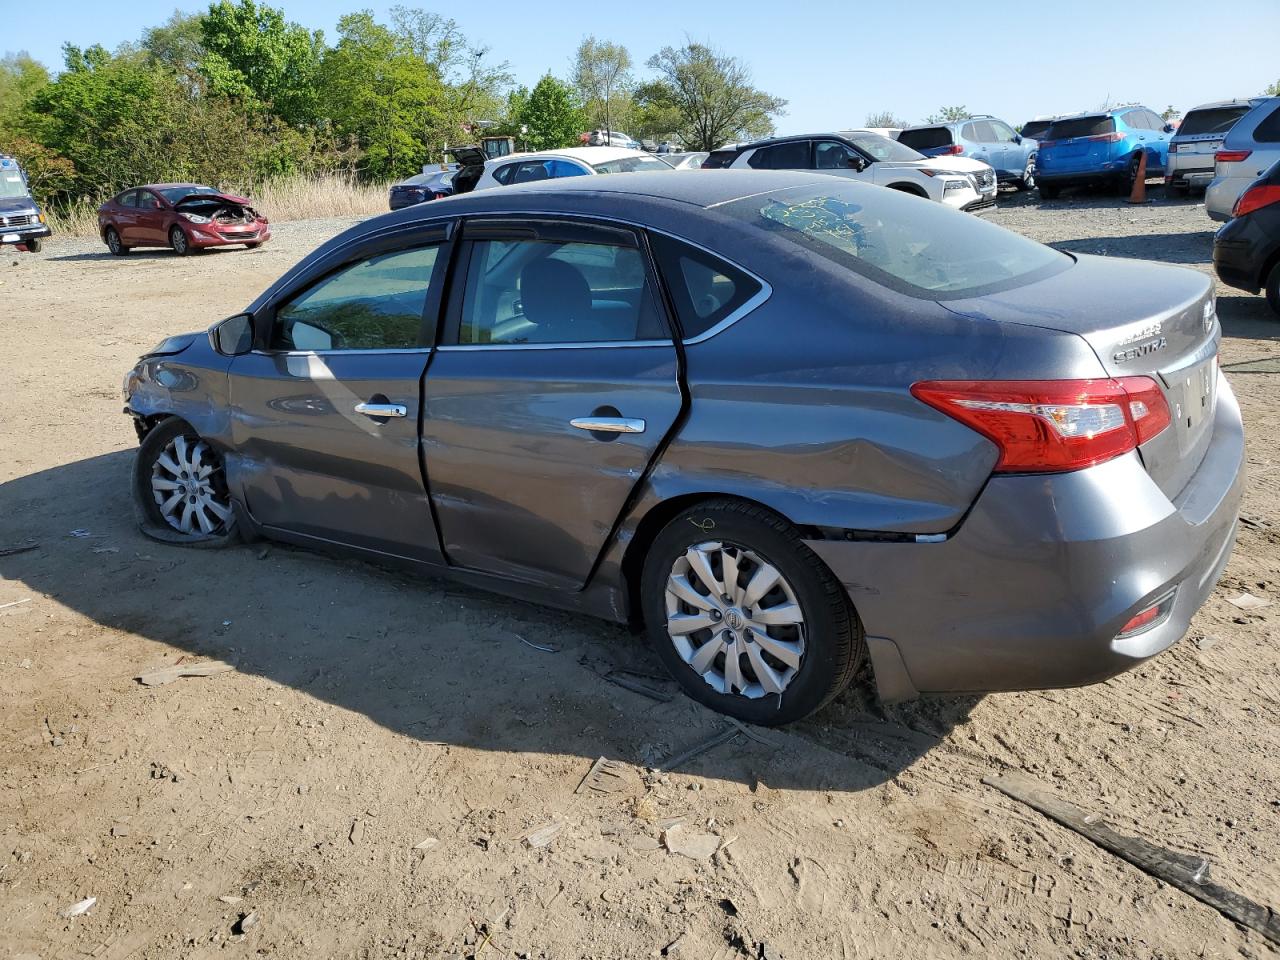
982,137
1102,147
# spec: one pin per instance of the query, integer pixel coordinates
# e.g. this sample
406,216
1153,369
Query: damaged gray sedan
782,422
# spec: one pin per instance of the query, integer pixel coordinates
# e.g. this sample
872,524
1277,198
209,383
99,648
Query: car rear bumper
1243,247
1032,589
1221,194
202,236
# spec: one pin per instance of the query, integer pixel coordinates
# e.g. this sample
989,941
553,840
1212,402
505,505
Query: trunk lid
1140,319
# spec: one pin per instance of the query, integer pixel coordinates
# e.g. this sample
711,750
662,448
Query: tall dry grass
299,197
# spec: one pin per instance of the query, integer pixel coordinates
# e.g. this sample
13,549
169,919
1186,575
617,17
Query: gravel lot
369,713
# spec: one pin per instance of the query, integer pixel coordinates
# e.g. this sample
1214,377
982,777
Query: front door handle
382,410
609,424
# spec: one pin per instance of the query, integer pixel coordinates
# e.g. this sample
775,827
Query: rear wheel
114,244
1124,186
747,618
178,240
1048,191
1273,288
180,488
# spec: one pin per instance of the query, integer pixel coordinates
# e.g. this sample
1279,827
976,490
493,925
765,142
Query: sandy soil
369,712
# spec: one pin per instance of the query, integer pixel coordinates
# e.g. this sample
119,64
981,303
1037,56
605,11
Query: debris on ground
610,776
544,647
542,836
246,922
697,846
1188,873
162,675
638,683
356,834
15,603
21,548
676,947
230,899
724,736
80,533
430,843
119,829
77,909
1247,601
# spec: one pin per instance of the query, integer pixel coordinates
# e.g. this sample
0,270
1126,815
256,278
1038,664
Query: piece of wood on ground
162,675
689,843
610,776
1189,874
637,683
715,740
542,836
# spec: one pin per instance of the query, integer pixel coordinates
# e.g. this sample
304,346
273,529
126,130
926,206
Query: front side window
919,249
882,148
147,200
781,156
1002,131
374,304
539,291
704,289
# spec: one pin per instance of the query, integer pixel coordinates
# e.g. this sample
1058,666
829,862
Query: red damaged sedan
183,216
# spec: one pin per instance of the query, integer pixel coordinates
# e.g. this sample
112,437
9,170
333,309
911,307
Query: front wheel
253,246
747,618
178,240
35,246
1273,289
180,489
1028,179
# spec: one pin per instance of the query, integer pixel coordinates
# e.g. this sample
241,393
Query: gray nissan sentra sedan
782,420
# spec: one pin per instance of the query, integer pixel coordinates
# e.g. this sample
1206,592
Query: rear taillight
1046,143
1114,137
951,151
1255,198
1231,156
1173,148
1052,426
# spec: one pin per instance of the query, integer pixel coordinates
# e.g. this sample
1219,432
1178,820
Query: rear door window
979,131
1215,120
782,156
705,290
926,138
1080,127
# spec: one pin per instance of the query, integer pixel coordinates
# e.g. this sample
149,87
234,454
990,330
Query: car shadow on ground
142,253
1178,248
420,656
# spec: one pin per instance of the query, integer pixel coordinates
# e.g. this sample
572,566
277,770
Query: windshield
1217,120
638,164
1080,127
11,184
882,148
174,194
921,249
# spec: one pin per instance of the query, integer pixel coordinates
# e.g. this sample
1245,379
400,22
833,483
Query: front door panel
518,490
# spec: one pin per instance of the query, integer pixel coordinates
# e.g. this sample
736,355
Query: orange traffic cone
1139,192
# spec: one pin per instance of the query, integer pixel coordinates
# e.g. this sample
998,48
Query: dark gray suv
782,420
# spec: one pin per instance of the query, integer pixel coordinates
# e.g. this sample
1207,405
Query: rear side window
1080,127
719,159
1216,120
926,138
128,199
504,174
1268,131
704,289
781,156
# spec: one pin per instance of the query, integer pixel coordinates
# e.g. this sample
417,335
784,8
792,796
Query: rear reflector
1150,617
1231,156
1053,426
1255,198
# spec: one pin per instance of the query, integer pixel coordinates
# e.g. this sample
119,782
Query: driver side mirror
858,163
233,336
1017,138
1169,128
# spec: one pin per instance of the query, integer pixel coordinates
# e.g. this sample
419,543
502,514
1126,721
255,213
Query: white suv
958,182
1249,150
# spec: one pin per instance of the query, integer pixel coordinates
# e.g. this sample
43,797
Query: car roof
588,155
1249,102
168,186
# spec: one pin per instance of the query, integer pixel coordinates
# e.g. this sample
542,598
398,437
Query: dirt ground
369,714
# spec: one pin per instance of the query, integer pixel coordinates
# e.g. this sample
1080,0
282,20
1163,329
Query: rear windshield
1035,128
921,249
1080,127
719,158
1217,120
926,138
638,164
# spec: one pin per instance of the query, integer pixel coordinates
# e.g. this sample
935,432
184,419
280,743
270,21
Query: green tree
712,93
1170,113
949,115
1273,90
885,118
177,43
21,77
551,115
381,95
251,52
602,77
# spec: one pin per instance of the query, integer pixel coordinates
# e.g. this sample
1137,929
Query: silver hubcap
179,241
735,620
187,489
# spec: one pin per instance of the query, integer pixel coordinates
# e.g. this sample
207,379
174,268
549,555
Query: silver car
1247,152
782,421
1191,150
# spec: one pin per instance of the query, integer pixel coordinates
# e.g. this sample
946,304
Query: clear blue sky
834,60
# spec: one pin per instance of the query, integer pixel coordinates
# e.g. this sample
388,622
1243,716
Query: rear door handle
609,424
380,410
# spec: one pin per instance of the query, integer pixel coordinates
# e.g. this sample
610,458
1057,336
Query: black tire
833,639
253,246
1273,289
179,242
1028,179
151,520
1181,189
35,246
1124,186
114,244
1048,191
